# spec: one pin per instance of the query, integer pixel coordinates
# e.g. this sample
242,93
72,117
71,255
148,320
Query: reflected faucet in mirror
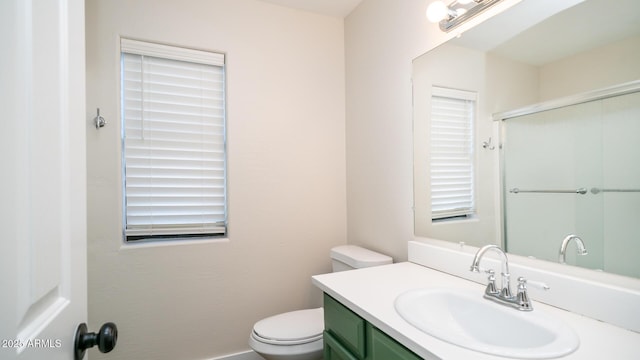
581,249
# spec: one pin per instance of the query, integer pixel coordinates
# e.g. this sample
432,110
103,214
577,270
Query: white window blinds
173,113
451,155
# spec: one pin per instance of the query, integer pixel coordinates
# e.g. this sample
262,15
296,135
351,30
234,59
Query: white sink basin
466,319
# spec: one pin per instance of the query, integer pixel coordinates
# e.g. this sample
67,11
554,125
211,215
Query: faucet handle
522,285
491,286
522,282
479,269
522,297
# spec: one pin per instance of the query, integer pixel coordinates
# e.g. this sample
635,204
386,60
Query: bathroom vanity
361,321
348,336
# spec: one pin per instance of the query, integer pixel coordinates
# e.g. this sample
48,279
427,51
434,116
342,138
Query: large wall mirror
553,154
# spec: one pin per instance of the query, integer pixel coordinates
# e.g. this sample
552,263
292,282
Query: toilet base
308,351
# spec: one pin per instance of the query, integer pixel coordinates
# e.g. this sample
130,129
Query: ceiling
588,25
336,8
527,33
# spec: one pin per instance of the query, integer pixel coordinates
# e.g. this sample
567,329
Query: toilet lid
292,327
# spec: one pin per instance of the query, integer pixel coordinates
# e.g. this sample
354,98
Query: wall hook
488,145
99,120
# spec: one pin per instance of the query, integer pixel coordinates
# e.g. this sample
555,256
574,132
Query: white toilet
297,335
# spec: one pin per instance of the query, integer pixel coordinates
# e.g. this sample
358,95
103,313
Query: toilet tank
349,257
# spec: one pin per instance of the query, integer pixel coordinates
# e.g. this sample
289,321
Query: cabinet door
333,350
383,347
345,326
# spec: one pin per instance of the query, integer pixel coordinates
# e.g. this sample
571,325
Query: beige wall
381,39
286,166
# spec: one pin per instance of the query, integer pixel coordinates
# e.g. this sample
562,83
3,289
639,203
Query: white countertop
371,293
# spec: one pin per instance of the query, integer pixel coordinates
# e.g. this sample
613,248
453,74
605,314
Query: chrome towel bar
580,191
597,190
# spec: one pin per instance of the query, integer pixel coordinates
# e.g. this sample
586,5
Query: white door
43,292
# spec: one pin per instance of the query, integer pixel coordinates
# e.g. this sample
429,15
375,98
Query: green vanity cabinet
347,336
334,350
382,346
345,332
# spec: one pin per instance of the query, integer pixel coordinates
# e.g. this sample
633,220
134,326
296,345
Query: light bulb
437,11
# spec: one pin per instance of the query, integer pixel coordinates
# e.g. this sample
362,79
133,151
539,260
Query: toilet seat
292,328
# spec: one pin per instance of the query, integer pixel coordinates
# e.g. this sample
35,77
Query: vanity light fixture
456,13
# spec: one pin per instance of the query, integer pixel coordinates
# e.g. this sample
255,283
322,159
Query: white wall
286,165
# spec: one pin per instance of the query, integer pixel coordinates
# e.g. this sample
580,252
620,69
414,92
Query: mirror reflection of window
451,153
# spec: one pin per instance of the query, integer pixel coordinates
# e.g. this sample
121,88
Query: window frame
182,54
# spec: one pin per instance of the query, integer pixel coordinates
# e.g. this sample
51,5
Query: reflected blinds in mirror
451,153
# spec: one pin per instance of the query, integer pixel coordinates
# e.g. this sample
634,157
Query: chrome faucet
503,296
506,277
582,250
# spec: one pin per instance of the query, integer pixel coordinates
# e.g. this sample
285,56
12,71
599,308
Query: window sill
455,220
141,244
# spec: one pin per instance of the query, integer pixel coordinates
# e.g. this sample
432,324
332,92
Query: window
451,153
173,136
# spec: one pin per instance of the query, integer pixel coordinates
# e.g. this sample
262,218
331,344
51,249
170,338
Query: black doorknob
106,339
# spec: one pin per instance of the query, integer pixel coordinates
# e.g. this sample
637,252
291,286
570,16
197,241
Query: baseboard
246,355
